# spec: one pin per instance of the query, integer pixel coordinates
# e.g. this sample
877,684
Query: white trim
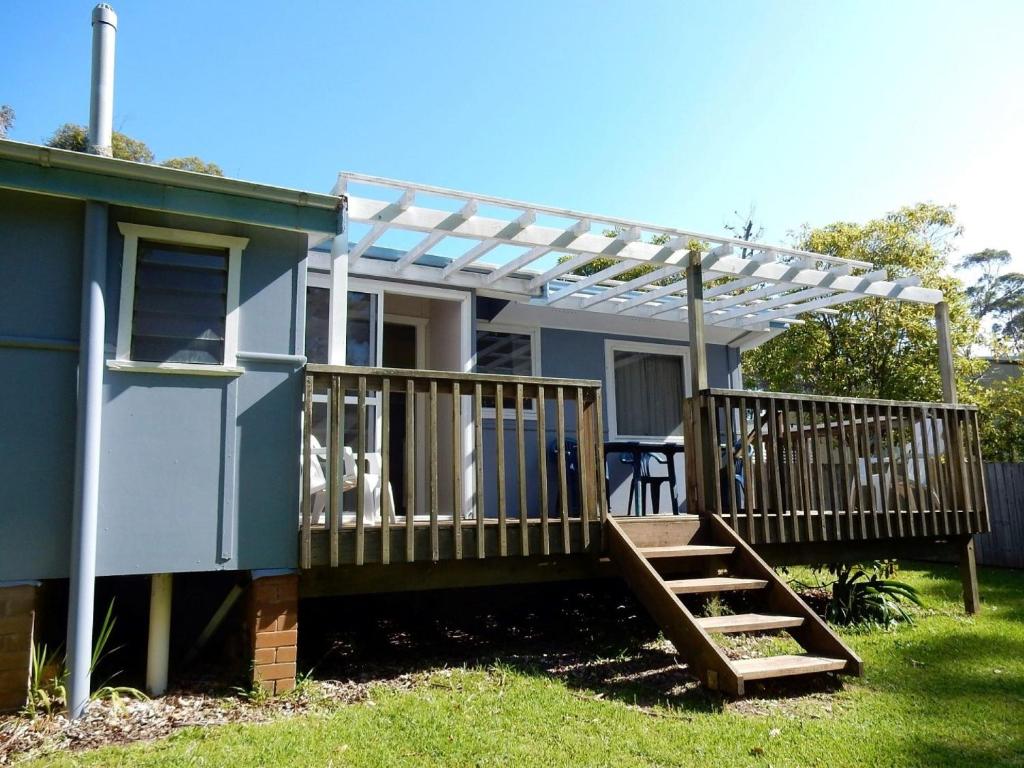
622,345
535,370
132,234
194,369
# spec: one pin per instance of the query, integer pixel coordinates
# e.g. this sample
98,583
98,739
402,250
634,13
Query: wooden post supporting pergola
965,544
699,472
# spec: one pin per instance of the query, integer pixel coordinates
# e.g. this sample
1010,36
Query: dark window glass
504,354
361,344
180,304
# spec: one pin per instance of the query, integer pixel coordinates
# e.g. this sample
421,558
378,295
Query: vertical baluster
713,450
775,469
830,462
981,499
524,530
478,467
931,498
542,469
842,499
748,480
410,470
386,502
861,503
335,445
894,484
958,477
761,473
869,487
306,548
883,482
582,466
908,491
817,471
435,535
940,473
458,464
803,462
360,469
599,467
792,478
563,485
499,436
730,466
966,467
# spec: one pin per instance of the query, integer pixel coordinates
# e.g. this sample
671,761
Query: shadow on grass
593,637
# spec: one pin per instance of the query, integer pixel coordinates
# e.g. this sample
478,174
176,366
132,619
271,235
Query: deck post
338,310
946,370
159,633
699,471
968,566
969,575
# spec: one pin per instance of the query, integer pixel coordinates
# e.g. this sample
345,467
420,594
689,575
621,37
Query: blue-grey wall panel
37,448
40,265
40,258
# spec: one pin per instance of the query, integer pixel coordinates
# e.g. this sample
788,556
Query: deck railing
794,468
465,489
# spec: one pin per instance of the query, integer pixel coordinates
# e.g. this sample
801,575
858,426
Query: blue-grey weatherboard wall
197,473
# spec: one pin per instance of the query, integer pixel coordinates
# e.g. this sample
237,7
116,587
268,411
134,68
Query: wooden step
713,584
660,530
686,550
786,666
748,622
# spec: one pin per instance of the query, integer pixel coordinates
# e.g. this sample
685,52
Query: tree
875,347
997,296
1002,420
6,120
75,138
193,163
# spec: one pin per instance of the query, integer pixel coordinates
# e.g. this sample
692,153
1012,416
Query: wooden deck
815,475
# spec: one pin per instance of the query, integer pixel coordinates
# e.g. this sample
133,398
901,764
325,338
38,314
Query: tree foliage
1002,420
194,164
997,296
6,120
75,138
874,347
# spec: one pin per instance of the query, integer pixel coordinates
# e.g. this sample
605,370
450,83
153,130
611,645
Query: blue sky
669,112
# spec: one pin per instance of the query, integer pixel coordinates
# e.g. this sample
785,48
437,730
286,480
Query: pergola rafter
760,286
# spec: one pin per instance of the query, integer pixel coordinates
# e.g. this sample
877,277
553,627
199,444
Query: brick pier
273,617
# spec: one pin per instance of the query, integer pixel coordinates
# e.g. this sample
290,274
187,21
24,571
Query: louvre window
180,304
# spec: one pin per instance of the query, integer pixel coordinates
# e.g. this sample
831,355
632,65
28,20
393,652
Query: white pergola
532,253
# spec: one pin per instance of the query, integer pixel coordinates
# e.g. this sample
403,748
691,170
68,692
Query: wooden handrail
834,468
449,450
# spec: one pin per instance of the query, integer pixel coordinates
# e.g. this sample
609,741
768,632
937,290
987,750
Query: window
506,352
362,332
646,386
179,300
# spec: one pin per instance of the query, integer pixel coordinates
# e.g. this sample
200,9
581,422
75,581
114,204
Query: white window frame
523,330
132,233
611,346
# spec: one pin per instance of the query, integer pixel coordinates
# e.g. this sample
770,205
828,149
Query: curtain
648,394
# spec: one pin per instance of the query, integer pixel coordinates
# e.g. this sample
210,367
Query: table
636,449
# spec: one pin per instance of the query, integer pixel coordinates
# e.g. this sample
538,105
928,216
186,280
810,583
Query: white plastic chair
371,486
317,482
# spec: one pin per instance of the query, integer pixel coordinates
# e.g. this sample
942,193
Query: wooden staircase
665,558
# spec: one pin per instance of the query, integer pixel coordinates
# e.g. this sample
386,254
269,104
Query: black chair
650,484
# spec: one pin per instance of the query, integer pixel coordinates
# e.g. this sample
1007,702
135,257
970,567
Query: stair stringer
704,656
814,635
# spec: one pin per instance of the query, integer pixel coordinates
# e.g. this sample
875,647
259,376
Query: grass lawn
948,690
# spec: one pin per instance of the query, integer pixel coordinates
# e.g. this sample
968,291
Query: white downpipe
159,633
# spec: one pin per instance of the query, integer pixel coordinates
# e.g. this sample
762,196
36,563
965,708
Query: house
204,374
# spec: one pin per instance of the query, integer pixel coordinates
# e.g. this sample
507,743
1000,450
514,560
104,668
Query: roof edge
51,157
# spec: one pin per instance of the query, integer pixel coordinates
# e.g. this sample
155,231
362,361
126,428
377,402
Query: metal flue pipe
85,511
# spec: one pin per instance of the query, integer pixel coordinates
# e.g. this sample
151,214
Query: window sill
188,369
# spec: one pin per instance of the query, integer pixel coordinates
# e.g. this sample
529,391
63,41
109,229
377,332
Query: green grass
948,690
